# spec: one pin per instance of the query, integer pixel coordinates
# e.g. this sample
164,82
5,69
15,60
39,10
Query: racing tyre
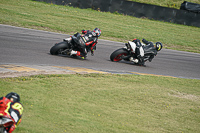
117,54
58,48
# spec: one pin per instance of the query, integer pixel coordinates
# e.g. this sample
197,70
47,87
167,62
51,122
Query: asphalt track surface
30,49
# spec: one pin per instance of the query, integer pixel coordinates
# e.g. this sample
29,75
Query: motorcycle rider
10,106
86,42
139,50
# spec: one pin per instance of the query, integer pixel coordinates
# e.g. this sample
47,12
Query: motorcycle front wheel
117,54
59,48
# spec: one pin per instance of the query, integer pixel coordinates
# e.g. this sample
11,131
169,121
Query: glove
12,128
92,52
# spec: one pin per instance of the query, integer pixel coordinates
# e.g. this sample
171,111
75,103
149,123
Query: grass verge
98,103
166,3
64,19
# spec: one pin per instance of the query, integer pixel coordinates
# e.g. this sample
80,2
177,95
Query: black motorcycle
68,44
128,53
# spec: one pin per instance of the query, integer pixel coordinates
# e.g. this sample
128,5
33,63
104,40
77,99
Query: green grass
98,103
64,19
166,3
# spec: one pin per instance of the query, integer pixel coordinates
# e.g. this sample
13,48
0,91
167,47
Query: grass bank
64,19
98,103
167,3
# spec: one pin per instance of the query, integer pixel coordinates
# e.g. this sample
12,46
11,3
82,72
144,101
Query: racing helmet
158,46
97,31
15,96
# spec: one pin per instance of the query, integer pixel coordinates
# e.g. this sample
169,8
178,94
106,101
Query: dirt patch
21,74
185,96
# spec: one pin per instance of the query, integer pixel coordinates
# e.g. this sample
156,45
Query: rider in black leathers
86,42
149,48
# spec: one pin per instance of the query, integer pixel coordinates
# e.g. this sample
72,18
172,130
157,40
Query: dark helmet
158,46
97,31
15,96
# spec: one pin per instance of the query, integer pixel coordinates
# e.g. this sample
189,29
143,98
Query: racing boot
78,53
145,41
68,40
133,60
73,52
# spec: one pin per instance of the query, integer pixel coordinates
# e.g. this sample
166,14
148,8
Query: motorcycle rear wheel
117,54
58,48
